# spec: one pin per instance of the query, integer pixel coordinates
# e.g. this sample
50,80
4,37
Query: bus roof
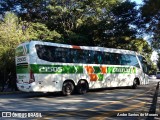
94,48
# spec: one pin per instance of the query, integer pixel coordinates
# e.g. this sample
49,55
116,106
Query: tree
151,16
8,40
13,31
28,10
77,20
7,5
120,28
158,62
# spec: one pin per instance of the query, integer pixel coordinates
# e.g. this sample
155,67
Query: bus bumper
25,87
33,87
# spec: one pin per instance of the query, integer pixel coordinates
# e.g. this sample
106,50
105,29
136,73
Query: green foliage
158,62
150,8
77,19
141,46
151,13
13,31
39,31
9,38
118,29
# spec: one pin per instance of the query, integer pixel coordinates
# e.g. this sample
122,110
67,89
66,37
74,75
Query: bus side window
92,57
65,55
58,54
125,59
115,58
90,60
128,59
85,56
77,56
99,57
111,58
68,56
45,52
95,57
50,55
133,61
106,58
71,56
40,51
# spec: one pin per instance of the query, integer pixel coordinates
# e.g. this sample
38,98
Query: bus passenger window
95,58
65,55
99,57
115,58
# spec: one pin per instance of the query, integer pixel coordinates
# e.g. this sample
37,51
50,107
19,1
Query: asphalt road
116,103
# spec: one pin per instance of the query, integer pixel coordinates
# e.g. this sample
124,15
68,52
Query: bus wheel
67,88
82,87
135,84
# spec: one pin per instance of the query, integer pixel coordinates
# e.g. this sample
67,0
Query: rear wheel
67,88
82,87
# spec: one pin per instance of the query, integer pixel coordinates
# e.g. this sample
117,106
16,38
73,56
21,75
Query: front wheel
135,84
67,88
82,87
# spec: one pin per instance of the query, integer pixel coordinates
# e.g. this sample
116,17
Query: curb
153,109
158,104
22,93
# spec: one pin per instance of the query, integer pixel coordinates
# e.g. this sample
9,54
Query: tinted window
59,54
127,59
45,52
106,58
68,55
115,58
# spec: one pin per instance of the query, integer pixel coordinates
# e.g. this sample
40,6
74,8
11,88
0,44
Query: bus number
21,59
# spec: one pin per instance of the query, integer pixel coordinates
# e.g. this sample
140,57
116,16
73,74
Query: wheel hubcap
68,88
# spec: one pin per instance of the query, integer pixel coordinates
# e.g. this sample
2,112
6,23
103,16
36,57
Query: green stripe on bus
56,69
22,69
117,70
68,69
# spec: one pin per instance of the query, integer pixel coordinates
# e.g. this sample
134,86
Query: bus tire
82,87
135,84
67,88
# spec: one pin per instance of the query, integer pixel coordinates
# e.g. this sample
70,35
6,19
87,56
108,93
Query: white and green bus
52,67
